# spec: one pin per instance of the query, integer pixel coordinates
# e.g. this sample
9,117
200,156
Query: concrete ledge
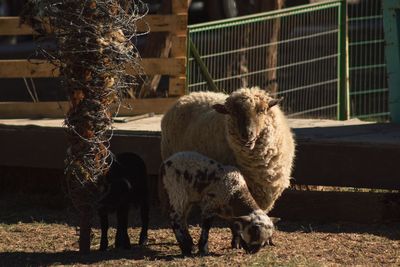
364,156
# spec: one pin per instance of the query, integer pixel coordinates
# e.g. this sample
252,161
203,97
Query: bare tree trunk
271,55
272,52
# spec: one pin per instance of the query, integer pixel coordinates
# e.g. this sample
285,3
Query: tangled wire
94,44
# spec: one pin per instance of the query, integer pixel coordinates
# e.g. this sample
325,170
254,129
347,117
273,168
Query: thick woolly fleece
192,124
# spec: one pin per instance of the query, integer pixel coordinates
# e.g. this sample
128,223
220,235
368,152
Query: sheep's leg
144,215
122,238
205,229
104,229
235,243
182,234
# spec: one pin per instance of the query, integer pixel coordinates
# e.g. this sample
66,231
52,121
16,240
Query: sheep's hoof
123,246
203,252
143,241
103,246
187,252
235,244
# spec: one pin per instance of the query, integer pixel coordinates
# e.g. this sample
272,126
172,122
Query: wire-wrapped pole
94,45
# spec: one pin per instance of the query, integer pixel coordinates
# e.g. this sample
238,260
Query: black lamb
125,185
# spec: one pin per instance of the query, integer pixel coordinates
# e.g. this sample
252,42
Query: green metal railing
330,58
308,57
369,93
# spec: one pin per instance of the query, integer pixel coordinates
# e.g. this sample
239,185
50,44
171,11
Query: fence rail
173,66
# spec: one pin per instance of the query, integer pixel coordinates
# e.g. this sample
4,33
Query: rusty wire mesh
94,42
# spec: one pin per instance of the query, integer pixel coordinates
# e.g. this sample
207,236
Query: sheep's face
255,231
247,114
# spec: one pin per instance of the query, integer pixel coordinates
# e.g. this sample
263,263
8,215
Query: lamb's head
255,230
247,109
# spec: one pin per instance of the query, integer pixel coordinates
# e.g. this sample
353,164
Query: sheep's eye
261,110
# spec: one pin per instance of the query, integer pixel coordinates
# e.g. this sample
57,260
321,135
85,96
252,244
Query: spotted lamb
190,178
246,129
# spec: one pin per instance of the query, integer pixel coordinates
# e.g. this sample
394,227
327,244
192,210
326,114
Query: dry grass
32,236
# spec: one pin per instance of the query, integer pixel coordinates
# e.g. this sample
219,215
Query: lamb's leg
235,243
205,229
144,215
104,229
181,232
122,238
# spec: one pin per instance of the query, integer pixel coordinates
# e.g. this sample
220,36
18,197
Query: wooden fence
173,66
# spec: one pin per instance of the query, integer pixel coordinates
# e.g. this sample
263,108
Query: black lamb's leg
205,229
122,237
144,215
182,234
104,229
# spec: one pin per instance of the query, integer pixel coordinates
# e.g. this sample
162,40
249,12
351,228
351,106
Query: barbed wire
94,43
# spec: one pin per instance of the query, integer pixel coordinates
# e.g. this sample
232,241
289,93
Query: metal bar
311,110
203,68
263,16
378,41
268,44
343,90
367,67
369,91
365,18
373,115
306,87
391,23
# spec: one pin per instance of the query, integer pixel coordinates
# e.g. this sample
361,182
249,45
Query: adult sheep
246,129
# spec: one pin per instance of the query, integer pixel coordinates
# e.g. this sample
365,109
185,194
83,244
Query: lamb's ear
220,108
274,102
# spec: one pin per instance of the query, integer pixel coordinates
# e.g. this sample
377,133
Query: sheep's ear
220,108
245,219
274,102
275,219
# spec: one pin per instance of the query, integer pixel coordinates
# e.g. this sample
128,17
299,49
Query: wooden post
177,84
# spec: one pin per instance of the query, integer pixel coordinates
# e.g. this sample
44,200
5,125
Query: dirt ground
36,232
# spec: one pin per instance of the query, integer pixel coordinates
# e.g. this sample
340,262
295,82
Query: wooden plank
177,86
24,68
348,164
179,46
165,66
179,6
156,23
41,68
10,110
361,207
